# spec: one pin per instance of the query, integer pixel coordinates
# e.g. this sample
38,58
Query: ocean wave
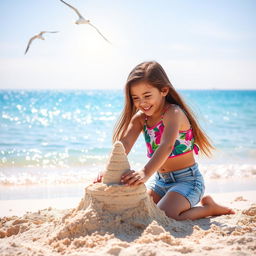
78,175
227,171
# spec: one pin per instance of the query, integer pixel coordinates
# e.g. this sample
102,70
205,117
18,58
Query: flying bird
82,20
38,36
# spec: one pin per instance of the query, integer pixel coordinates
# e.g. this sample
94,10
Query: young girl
172,136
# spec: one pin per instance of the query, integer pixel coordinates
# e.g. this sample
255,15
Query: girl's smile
146,108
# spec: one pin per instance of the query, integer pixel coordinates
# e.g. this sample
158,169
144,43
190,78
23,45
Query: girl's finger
138,182
131,181
128,176
95,181
98,178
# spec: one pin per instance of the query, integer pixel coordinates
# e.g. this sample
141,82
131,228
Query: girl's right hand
132,178
98,178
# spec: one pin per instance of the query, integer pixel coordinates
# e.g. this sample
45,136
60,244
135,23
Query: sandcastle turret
117,165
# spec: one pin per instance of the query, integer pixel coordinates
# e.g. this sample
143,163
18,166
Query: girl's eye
135,99
147,96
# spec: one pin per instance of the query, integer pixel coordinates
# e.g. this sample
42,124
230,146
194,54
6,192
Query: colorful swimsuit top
183,144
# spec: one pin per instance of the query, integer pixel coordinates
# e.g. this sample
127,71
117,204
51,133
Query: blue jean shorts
188,182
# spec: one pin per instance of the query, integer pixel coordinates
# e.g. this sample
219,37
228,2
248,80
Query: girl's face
147,98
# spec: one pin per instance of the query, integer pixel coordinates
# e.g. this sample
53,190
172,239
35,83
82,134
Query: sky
202,44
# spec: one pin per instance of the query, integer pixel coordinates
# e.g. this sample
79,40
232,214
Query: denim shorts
188,182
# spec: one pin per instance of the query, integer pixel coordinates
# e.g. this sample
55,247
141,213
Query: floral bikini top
183,144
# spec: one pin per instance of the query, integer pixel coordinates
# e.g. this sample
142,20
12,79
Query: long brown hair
153,73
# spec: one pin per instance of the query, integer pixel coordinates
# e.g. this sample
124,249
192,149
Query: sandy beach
31,233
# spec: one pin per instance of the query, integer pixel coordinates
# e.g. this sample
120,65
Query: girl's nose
142,101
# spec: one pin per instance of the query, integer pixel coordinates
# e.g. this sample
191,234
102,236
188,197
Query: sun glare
91,45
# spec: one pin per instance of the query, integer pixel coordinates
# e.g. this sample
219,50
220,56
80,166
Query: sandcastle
110,206
115,196
116,199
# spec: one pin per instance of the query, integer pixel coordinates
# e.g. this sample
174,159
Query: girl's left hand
98,179
133,178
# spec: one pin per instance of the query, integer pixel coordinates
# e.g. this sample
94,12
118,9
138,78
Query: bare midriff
178,163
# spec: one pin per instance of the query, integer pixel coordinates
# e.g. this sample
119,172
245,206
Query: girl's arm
133,131
172,123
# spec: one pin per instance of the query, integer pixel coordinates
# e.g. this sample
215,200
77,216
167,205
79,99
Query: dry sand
119,220
95,231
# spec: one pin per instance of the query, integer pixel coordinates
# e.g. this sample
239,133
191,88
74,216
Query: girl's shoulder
139,117
172,110
173,113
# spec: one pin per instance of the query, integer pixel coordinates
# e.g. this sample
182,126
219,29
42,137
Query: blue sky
202,44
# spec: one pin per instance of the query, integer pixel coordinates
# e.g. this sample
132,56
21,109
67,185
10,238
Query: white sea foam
74,175
226,171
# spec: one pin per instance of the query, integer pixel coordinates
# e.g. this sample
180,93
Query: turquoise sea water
65,136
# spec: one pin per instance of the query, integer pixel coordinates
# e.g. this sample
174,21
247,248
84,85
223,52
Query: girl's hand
98,178
133,178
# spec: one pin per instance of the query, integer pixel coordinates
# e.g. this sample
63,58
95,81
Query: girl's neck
156,117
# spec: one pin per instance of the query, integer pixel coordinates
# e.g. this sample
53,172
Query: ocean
52,137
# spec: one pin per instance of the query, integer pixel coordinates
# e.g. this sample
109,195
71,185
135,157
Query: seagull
82,20
39,36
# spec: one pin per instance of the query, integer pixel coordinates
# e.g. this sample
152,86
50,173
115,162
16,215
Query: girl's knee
172,214
156,198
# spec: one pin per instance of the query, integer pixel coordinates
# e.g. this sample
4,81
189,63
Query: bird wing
99,32
72,7
29,43
48,32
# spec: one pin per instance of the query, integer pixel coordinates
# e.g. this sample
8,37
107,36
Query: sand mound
90,232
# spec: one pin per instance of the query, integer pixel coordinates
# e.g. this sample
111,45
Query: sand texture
96,231
113,219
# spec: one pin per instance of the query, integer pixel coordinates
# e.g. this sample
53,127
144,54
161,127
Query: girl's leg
156,198
177,207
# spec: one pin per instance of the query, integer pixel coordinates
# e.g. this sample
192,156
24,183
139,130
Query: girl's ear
165,91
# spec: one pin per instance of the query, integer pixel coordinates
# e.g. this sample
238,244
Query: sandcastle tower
117,165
